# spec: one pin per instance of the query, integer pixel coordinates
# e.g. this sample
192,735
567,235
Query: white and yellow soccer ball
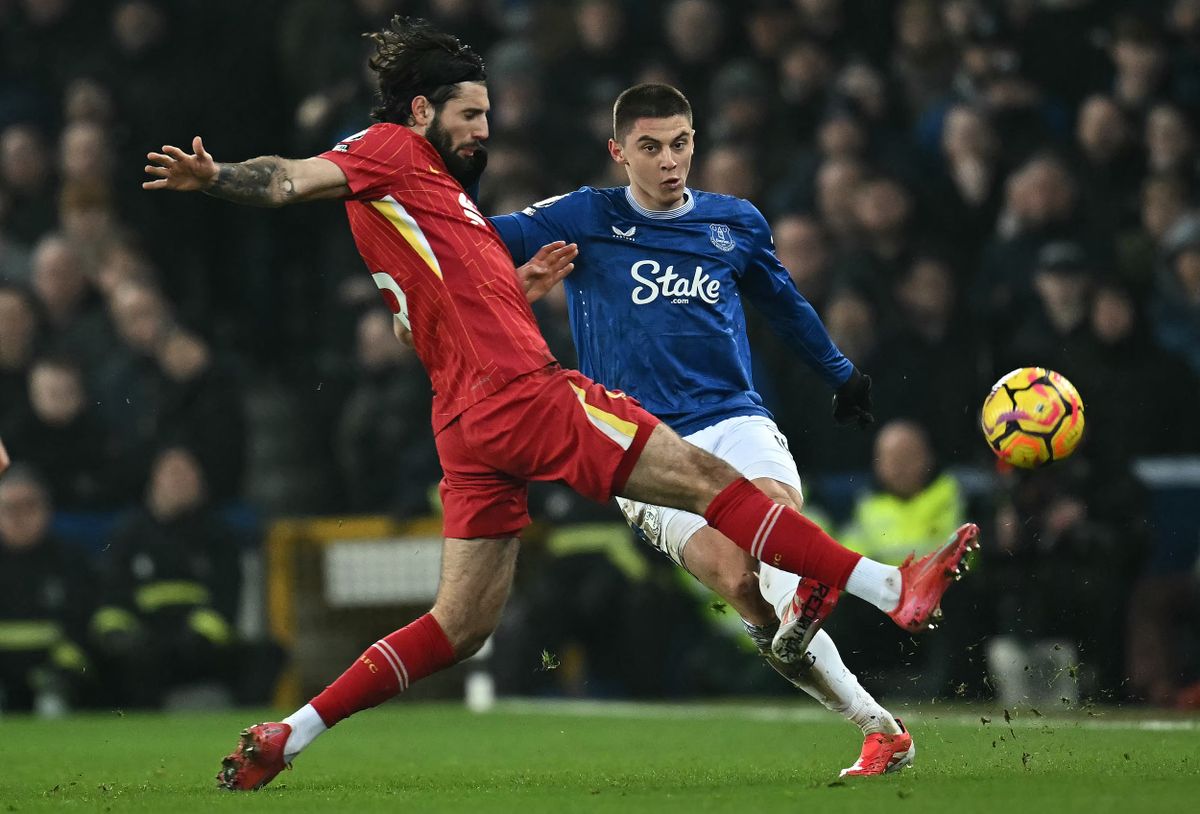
1032,417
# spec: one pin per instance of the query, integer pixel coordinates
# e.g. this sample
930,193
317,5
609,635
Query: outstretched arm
266,181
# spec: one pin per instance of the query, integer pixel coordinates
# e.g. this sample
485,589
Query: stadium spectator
171,582
1177,292
852,324
387,462
1163,201
696,32
26,178
803,248
1140,60
923,60
886,235
914,507
911,507
836,184
1062,281
1171,143
46,595
164,385
202,409
86,156
931,348
1110,166
966,199
18,334
62,437
74,324
805,70
1040,205
1128,423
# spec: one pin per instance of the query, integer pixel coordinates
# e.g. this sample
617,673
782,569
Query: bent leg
476,579
729,571
671,472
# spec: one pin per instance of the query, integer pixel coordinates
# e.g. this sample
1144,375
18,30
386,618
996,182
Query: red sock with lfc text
778,535
385,669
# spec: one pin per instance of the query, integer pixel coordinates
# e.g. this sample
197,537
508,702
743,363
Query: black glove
852,401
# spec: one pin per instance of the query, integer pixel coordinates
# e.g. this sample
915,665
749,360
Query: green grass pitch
555,757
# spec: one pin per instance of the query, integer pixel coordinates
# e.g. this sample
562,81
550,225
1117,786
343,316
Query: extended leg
476,579
671,472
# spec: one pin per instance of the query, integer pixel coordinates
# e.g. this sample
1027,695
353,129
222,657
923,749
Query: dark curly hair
413,59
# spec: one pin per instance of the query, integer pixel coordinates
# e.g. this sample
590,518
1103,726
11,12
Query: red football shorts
549,425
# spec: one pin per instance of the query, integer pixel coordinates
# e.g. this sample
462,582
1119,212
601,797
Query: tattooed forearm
258,182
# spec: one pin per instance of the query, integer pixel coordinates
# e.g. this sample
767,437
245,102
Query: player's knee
780,493
471,643
466,632
739,588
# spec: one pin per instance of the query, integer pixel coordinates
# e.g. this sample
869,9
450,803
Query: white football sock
876,583
832,684
829,681
306,725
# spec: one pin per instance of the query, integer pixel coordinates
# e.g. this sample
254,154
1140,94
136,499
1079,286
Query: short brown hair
649,100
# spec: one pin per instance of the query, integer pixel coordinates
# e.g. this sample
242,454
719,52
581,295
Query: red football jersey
440,267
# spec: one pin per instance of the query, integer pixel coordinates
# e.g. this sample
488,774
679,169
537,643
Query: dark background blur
959,187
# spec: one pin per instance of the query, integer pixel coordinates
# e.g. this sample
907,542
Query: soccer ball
1032,416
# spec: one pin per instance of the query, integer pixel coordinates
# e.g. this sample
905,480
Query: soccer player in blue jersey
654,300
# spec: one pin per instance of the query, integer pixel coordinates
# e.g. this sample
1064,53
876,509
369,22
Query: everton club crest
721,237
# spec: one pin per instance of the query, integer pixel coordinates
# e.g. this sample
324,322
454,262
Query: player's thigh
478,500
558,425
671,472
476,579
754,446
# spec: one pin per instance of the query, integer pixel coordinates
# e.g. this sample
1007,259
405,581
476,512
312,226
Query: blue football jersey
655,300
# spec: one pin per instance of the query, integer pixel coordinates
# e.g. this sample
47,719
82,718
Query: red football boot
257,758
923,582
811,605
883,754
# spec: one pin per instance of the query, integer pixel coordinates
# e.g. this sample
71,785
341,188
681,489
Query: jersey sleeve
769,286
369,159
557,218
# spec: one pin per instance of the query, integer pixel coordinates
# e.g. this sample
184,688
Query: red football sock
778,535
386,668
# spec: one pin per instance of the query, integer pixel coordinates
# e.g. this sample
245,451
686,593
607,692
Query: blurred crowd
960,187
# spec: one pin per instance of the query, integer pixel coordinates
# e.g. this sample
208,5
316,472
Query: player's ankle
876,583
307,726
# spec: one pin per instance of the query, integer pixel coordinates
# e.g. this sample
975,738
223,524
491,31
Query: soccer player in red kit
504,412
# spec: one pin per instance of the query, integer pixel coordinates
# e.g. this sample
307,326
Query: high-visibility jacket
46,595
888,528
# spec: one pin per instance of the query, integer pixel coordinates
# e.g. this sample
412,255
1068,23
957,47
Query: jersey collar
689,203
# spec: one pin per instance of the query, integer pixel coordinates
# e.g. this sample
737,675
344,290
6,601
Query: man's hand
175,169
544,270
4,460
852,402
403,334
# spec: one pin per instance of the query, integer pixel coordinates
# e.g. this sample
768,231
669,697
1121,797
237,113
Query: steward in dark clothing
46,597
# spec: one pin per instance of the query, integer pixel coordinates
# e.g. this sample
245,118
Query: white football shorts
751,444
